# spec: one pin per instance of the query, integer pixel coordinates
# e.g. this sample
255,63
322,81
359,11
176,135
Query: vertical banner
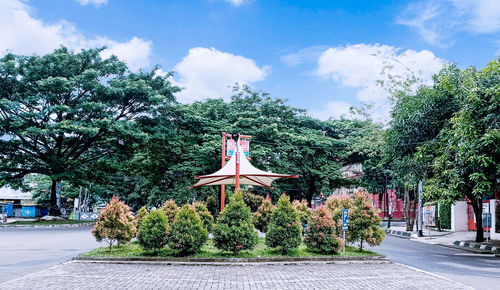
58,194
231,147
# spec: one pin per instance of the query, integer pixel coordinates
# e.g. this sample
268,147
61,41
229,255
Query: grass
56,222
210,251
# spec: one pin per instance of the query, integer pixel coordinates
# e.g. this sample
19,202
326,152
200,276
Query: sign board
345,226
345,215
231,147
429,215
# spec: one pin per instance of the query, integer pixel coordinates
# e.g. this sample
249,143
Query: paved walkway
352,275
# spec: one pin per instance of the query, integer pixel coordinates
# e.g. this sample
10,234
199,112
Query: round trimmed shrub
212,205
234,230
170,208
262,216
153,231
141,214
321,237
187,235
206,218
284,233
303,211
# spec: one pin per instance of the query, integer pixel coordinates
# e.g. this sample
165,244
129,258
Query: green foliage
262,216
139,217
321,237
153,231
284,231
170,208
364,222
114,223
253,201
445,215
234,230
213,205
303,211
206,218
188,234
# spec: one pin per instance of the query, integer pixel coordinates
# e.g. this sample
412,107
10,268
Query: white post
420,209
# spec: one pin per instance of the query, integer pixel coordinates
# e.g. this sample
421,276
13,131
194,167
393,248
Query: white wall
459,216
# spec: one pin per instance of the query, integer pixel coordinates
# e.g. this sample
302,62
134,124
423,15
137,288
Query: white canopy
248,173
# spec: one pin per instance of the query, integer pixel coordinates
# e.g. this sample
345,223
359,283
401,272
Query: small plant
187,235
234,230
321,237
253,201
212,205
141,214
303,211
206,218
153,231
114,223
284,231
364,222
170,208
262,216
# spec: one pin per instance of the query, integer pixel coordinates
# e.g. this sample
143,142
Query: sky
323,56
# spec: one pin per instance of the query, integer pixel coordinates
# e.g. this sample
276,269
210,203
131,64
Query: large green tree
62,113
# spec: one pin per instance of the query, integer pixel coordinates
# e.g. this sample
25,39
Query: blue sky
320,55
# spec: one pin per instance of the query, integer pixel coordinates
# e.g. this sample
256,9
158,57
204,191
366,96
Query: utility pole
420,210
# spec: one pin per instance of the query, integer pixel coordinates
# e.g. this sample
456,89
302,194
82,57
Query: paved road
479,271
27,250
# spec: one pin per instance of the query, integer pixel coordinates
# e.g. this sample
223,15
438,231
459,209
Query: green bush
153,231
303,211
114,223
262,216
284,233
213,205
141,214
252,200
206,218
445,215
170,208
234,230
364,222
320,237
187,235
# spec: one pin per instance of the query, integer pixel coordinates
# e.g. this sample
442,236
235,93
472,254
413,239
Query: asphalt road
480,271
27,250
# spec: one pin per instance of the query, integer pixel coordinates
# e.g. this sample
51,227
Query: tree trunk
54,210
477,205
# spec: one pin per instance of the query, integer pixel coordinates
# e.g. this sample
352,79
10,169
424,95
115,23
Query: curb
79,225
402,234
229,261
476,247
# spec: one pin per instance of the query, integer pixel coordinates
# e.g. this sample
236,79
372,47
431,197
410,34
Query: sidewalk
464,240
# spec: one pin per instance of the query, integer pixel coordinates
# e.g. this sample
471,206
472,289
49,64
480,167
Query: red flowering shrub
262,216
284,231
303,211
321,237
170,208
364,222
335,204
114,223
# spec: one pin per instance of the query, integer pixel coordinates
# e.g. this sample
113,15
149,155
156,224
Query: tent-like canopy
248,174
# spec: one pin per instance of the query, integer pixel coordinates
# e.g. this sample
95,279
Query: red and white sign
231,147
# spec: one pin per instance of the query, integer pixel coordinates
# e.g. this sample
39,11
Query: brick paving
341,275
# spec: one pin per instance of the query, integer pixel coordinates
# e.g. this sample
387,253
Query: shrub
153,231
114,223
445,215
234,230
206,218
303,211
284,231
335,204
252,200
364,222
170,208
321,237
262,216
141,214
187,235
213,205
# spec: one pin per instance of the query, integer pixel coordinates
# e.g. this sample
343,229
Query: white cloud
306,55
210,73
333,110
94,2
360,66
237,2
438,21
23,34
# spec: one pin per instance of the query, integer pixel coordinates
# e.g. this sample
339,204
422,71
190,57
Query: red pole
223,187
237,178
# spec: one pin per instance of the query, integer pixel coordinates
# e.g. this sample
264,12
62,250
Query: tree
61,113
114,223
188,234
262,216
153,231
234,230
321,236
284,231
141,214
364,222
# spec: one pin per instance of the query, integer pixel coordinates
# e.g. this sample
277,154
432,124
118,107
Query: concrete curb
476,247
47,226
230,261
402,234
